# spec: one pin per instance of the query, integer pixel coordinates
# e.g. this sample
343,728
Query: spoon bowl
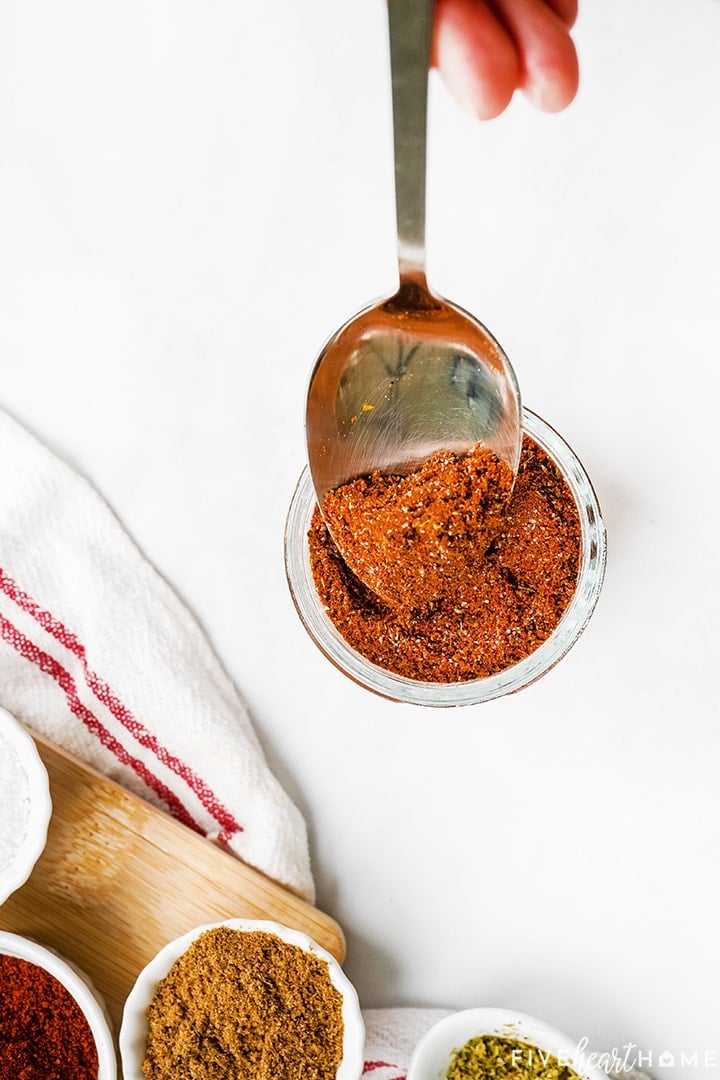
405,378
414,373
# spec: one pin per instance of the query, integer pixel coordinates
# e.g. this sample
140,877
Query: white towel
100,656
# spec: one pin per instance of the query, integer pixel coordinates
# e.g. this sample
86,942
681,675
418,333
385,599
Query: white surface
134,1029
192,197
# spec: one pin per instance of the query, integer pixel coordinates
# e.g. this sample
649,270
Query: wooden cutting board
120,878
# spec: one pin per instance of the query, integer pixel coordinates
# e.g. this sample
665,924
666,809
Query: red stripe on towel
50,666
370,1066
104,694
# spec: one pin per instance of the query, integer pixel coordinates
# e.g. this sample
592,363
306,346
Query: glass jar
516,677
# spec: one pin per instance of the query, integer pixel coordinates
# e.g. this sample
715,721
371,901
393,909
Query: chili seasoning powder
44,1034
485,620
413,538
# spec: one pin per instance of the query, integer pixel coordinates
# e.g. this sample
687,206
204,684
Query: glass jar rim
516,677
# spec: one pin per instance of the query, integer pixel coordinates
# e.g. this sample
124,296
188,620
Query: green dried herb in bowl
492,1057
499,1044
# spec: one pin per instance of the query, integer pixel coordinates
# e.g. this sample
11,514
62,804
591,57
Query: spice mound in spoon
490,619
413,539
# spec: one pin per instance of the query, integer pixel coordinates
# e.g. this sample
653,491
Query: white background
192,196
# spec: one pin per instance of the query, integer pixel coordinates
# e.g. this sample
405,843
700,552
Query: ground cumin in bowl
242,1000
524,605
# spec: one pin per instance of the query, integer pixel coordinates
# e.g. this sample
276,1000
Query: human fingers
566,9
548,61
476,55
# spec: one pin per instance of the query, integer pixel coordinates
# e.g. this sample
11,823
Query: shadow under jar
591,556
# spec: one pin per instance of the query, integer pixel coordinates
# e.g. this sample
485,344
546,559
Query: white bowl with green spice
244,999
25,805
482,1043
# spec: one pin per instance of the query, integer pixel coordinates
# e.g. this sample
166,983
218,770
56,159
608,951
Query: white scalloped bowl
433,1054
133,1030
17,870
78,986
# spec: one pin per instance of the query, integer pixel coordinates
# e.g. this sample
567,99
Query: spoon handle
410,23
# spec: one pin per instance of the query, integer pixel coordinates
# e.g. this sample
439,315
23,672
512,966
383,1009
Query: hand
487,49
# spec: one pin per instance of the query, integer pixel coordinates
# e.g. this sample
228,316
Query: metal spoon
412,374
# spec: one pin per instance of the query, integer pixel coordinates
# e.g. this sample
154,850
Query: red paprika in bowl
52,1024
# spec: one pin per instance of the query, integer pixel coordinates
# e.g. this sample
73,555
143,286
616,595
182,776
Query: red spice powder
413,539
43,1032
486,620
